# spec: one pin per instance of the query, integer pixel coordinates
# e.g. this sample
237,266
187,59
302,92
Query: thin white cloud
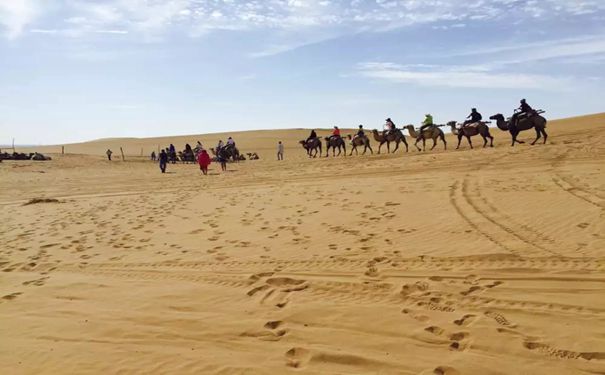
471,76
195,17
15,15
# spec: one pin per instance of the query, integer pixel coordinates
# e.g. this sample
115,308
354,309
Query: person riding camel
219,146
389,127
335,133
524,109
230,142
473,118
312,136
360,132
428,122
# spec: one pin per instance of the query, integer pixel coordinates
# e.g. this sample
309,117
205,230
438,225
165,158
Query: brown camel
392,136
432,132
471,131
523,123
335,143
359,141
312,146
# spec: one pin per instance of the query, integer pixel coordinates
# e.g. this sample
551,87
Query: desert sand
484,261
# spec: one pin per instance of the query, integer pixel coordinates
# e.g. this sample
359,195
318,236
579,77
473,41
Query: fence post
122,152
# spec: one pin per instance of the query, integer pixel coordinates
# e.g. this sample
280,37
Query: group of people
474,117
198,153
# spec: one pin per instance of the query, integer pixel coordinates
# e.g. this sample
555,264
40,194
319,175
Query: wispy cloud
196,17
542,50
471,76
15,15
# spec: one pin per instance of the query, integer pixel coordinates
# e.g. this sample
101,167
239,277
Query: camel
480,128
252,156
524,123
359,141
394,136
432,132
335,143
312,145
228,152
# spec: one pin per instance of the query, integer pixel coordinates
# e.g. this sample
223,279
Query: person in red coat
203,160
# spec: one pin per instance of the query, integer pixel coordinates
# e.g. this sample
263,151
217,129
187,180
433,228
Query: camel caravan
23,156
223,151
523,118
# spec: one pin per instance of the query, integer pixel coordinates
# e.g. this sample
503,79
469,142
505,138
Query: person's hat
428,114
522,100
335,127
473,109
389,119
361,126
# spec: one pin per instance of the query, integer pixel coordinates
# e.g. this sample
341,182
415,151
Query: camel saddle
473,125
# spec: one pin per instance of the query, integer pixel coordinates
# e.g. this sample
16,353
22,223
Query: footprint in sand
465,320
12,296
297,357
445,370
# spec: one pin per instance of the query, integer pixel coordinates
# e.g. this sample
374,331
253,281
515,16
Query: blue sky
73,70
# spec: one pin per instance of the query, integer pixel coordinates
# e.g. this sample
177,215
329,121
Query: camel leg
416,143
379,147
484,140
444,142
406,145
545,135
469,141
491,141
538,136
459,140
434,143
396,146
388,147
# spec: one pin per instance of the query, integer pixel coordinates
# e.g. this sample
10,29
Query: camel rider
524,109
360,132
312,136
388,127
335,133
230,142
428,122
474,117
219,146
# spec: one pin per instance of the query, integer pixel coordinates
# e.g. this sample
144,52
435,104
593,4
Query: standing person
280,151
203,160
223,160
109,152
153,156
172,150
163,161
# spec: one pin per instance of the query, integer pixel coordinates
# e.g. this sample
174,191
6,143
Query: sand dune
484,261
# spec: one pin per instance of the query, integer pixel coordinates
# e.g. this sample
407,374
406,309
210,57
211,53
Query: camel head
304,144
349,136
213,150
497,117
452,123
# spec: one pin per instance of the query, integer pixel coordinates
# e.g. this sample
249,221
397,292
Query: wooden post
62,150
122,151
